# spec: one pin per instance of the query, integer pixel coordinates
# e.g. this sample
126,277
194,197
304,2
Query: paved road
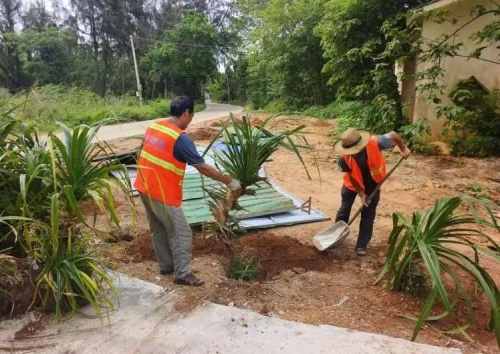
213,111
153,319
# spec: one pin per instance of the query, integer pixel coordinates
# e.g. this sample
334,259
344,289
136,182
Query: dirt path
333,288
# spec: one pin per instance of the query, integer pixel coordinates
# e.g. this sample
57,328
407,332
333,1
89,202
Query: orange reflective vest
160,175
376,164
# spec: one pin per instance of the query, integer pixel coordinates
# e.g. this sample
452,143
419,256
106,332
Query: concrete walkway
152,320
213,111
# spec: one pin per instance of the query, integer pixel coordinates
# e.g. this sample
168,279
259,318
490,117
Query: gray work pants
172,236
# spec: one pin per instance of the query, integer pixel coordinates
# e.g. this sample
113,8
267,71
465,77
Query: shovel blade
334,235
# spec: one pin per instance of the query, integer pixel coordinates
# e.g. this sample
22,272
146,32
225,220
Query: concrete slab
117,131
152,320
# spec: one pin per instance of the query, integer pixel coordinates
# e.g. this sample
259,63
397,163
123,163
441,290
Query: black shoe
189,280
361,251
166,272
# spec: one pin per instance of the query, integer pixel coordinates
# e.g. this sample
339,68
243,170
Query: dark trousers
367,215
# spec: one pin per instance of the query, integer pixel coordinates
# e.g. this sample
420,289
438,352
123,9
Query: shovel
335,234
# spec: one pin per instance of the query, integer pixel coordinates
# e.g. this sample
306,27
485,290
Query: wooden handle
356,214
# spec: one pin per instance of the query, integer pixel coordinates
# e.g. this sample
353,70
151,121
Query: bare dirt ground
336,287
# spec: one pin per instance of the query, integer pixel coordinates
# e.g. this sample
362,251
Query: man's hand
234,185
405,152
364,198
236,188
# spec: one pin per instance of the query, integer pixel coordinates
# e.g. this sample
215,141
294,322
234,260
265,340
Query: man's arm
233,184
186,151
211,172
345,168
403,149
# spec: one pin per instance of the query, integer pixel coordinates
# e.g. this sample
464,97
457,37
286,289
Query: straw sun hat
352,141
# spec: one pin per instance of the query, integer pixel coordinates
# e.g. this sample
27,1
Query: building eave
435,5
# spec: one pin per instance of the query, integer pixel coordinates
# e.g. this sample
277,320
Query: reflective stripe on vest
166,130
162,163
376,164
160,175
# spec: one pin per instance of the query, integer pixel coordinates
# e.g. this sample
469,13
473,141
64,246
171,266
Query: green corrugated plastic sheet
266,201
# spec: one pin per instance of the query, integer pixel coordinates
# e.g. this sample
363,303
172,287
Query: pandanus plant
446,241
248,148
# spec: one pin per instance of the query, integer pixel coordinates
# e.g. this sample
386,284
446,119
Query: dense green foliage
429,241
312,54
87,43
478,112
288,60
378,117
185,57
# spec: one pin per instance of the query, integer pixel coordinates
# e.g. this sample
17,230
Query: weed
243,266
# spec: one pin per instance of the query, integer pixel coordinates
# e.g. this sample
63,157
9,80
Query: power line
181,44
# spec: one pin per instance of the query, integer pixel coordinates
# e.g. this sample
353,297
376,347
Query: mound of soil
279,254
141,248
203,133
16,286
255,122
322,123
276,254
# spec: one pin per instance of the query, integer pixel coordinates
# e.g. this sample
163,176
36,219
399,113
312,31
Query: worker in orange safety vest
364,168
167,149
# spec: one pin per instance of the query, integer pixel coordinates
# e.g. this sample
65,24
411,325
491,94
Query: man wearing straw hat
364,167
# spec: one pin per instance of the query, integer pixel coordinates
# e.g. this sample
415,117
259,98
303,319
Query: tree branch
465,25
482,59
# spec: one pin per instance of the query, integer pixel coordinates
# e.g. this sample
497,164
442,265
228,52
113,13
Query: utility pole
139,86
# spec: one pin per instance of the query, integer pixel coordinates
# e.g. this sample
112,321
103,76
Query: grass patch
45,105
243,266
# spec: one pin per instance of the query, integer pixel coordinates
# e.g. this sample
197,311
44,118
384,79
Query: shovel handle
356,214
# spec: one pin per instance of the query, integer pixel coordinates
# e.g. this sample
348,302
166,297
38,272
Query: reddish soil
279,254
202,133
335,288
141,248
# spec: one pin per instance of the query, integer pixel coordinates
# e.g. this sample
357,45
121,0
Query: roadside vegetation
44,106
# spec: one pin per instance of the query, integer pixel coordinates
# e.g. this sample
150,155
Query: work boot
361,251
189,280
166,272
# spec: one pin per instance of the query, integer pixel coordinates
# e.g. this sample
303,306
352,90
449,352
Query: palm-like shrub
80,178
42,182
70,275
439,242
248,148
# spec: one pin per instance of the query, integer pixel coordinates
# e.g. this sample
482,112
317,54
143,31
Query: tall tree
36,16
353,41
10,64
185,57
288,54
10,11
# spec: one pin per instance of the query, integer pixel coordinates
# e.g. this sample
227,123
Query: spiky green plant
80,178
248,148
40,190
440,241
70,275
